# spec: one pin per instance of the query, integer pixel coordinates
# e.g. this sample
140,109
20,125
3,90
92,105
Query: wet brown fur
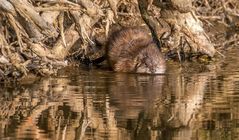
133,50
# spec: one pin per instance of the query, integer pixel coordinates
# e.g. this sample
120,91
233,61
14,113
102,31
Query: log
26,10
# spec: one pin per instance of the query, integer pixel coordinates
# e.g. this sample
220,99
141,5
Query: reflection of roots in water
130,108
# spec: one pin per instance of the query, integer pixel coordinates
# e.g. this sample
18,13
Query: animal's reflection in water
150,106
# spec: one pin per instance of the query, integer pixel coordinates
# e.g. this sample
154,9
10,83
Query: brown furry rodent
133,50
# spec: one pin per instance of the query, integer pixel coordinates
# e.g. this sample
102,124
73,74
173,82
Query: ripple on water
99,104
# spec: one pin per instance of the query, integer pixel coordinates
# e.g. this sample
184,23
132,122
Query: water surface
186,103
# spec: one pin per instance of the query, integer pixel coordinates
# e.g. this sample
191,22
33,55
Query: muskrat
133,50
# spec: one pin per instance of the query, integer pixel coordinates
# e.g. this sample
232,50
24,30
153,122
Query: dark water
186,103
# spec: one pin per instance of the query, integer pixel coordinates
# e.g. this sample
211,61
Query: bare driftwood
188,27
26,10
